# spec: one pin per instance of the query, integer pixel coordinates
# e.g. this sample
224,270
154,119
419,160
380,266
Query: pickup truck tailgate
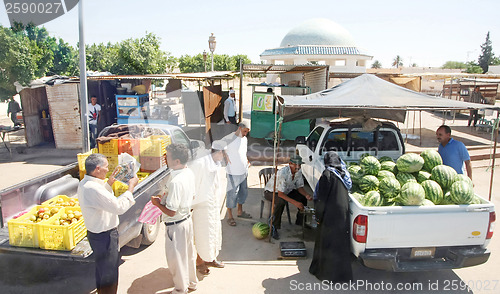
421,226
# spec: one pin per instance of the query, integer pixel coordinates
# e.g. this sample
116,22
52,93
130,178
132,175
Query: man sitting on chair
290,188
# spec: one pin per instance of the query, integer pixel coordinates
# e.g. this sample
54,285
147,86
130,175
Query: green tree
236,60
376,64
222,62
143,56
194,63
102,58
20,61
397,62
473,68
65,60
486,56
454,65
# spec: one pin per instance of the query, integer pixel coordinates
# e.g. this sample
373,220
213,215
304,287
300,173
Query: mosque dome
319,31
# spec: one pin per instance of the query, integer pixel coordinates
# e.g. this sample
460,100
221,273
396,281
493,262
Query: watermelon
427,202
461,192
357,196
389,188
388,165
370,165
433,191
363,156
431,159
260,230
372,198
385,158
404,178
356,173
446,199
368,183
423,176
384,174
444,175
355,189
352,163
476,200
410,163
462,177
411,193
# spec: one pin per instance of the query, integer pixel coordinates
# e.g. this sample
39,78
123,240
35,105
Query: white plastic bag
127,168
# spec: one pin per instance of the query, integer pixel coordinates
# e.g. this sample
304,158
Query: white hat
231,92
219,145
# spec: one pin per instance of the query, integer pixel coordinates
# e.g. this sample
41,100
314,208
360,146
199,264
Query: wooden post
494,155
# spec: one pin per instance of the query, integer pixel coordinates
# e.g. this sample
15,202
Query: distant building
319,41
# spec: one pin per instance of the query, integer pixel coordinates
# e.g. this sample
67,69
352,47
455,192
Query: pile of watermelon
412,180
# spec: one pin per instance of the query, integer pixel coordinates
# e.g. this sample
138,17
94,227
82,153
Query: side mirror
300,140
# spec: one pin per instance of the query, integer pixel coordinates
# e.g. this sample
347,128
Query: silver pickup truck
65,181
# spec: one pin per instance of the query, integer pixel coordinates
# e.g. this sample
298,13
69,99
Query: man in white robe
209,197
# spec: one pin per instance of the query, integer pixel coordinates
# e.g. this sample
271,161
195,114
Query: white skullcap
219,145
231,92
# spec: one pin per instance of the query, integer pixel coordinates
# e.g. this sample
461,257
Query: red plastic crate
130,146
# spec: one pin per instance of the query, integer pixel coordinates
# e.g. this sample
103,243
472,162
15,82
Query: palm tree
398,61
376,64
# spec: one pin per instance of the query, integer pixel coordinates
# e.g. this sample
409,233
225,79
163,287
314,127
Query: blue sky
424,32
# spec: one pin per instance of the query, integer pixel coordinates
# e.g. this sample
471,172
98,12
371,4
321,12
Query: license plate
423,252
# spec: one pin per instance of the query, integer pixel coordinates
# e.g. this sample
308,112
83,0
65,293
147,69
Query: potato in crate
63,230
61,201
24,230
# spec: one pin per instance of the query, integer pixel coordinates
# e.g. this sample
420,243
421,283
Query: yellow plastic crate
61,237
24,233
167,139
154,147
82,157
61,201
112,162
109,148
120,188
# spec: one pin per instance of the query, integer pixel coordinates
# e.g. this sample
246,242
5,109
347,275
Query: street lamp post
211,45
205,59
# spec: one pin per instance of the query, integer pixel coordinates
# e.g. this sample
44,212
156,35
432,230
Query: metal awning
197,76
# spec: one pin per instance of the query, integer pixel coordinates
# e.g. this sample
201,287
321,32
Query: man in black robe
332,252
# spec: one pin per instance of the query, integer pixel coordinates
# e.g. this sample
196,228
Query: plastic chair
265,174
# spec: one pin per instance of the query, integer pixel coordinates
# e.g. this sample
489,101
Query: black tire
150,232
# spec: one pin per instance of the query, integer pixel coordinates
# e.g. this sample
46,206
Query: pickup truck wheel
150,232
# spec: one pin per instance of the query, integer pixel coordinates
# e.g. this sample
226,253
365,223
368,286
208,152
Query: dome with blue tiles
319,32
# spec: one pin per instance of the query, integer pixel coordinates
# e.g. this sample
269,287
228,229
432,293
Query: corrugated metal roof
281,68
216,75
314,50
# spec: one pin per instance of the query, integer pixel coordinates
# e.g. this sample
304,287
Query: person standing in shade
230,108
476,97
207,203
237,172
332,248
13,108
176,208
290,188
94,118
100,210
453,152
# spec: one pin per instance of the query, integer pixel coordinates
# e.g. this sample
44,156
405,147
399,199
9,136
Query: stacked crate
110,150
81,161
152,152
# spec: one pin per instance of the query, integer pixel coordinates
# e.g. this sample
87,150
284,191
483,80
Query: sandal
203,269
244,214
231,222
215,263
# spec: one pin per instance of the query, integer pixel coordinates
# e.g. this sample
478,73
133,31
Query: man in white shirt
230,108
237,172
176,207
94,118
290,188
100,210
210,189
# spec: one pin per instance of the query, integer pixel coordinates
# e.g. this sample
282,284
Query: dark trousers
93,135
279,206
106,252
232,119
474,115
13,118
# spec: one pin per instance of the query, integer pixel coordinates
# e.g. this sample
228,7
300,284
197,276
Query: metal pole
494,155
240,110
212,61
83,82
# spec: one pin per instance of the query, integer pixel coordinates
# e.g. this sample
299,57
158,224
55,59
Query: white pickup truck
399,238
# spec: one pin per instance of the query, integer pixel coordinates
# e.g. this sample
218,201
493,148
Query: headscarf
337,166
